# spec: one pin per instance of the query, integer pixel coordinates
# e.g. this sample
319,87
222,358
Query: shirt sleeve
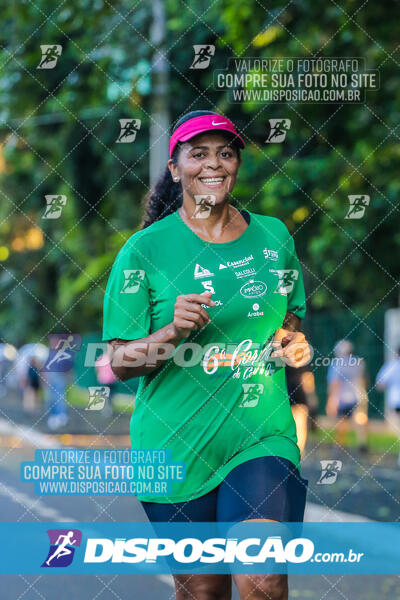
127,305
296,295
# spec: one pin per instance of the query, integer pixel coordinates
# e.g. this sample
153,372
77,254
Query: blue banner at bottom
246,547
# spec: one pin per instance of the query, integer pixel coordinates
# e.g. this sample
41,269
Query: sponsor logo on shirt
241,262
221,266
208,286
246,359
256,312
251,394
253,289
200,272
270,254
217,303
245,273
286,280
133,279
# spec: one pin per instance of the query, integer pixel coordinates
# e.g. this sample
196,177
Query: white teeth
212,179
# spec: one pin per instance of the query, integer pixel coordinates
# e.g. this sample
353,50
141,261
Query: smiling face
207,164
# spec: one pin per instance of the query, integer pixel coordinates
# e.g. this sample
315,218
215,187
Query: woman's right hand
189,315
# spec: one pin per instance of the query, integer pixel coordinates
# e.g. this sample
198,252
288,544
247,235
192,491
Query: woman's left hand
292,347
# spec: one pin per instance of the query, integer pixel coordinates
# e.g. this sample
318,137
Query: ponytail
165,197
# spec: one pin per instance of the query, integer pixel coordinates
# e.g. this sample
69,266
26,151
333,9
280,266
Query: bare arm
291,322
333,398
291,344
133,358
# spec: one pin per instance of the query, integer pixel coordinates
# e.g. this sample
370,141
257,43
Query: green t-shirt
213,406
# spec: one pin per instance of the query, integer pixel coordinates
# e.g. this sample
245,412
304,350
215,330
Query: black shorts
346,411
294,384
297,396
269,487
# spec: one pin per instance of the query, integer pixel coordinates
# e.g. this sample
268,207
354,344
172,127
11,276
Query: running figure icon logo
251,394
133,279
279,129
98,395
329,471
62,547
204,203
54,206
286,281
129,129
357,206
50,54
202,55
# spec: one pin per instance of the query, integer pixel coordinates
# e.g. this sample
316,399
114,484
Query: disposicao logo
253,289
62,547
192,550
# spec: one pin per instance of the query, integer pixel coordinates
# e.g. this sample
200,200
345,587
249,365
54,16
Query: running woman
221,283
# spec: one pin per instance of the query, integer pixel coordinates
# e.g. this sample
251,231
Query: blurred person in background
8,354
303,400
56,387
32,387
58,372
347,394
388,380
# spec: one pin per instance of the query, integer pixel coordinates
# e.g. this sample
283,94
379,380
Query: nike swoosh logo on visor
223,123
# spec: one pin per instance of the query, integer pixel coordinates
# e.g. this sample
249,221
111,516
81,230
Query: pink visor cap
197,125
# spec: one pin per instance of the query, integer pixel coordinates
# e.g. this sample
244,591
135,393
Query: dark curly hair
166,195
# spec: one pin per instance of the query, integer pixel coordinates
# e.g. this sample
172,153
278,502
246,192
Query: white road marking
323,514
33,505
167,579
28,435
